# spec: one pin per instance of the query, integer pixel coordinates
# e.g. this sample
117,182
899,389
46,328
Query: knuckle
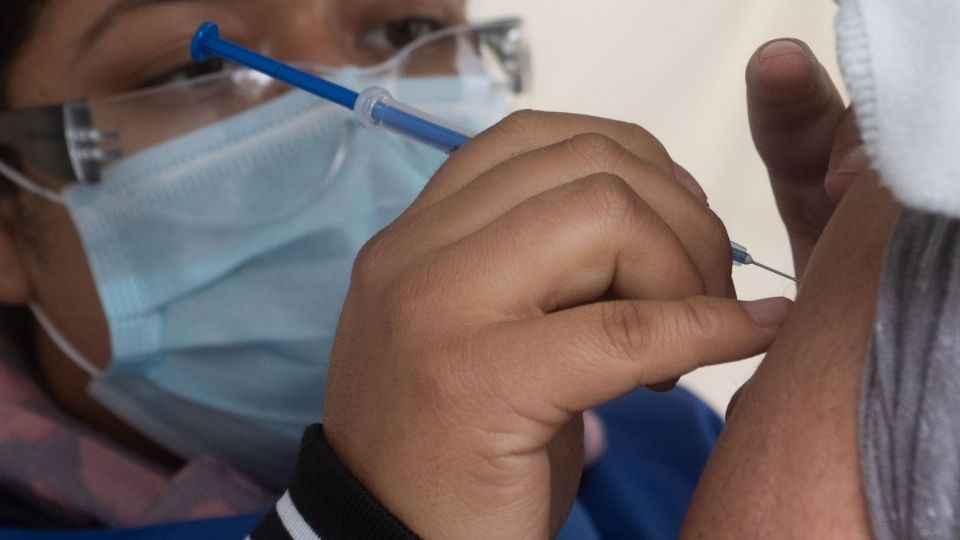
404,299
609,197
381,259
371,259
521,126
632,327
698,320
405,316
652,149
627,328
596,151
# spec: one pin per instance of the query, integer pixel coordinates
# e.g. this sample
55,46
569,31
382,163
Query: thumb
794,111
583,357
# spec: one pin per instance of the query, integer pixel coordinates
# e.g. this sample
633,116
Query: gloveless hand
553,264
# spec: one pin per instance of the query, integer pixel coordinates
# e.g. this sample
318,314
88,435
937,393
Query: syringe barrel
376,108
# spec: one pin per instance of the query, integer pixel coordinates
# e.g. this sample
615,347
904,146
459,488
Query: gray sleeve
910,404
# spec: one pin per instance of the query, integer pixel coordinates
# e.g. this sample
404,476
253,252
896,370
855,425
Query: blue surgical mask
222,260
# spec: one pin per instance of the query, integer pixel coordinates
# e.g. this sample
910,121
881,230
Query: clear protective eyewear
74,141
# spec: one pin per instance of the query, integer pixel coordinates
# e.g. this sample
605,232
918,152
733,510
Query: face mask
899,58
222,260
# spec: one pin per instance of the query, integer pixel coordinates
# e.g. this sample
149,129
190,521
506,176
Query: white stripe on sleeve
296,526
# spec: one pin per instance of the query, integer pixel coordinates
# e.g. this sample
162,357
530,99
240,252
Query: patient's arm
787,465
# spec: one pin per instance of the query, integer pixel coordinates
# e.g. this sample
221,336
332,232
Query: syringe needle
777,272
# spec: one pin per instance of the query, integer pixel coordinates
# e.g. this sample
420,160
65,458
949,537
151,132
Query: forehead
91,16
81,22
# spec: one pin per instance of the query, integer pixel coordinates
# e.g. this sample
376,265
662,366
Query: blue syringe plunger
374,108
198,50
207,43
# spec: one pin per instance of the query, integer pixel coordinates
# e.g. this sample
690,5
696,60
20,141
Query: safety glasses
75,141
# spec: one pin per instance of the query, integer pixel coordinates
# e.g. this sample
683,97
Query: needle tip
777,272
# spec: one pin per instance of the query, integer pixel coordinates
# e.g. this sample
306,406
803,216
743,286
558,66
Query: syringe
373,108
741,257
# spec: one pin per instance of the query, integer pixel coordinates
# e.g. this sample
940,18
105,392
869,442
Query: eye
394,35
185,72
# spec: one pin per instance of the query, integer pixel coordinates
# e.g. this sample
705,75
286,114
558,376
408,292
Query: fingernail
782,47
768,312
594,438
687,179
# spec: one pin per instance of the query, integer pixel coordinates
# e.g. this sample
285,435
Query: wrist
332,501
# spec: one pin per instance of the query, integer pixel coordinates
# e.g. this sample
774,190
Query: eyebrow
110,16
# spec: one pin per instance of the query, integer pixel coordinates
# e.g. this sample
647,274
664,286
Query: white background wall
676,67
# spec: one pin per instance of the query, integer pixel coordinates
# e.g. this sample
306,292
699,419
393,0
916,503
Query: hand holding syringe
373,108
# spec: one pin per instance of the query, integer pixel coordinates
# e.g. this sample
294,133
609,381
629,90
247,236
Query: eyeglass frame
61,139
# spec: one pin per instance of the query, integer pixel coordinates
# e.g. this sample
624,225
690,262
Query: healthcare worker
848,430
183,237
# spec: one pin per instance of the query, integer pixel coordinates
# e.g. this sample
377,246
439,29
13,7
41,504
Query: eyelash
382,37
185,72
384,40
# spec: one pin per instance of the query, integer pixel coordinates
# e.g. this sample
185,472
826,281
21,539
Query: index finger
524,131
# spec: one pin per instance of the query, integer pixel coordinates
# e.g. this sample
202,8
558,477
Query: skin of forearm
787,463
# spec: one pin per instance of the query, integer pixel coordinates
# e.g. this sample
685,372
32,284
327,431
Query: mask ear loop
58,338
23,182
61,341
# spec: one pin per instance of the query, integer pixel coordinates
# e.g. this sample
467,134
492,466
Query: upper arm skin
787,464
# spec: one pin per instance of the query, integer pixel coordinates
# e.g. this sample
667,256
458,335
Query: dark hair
16,23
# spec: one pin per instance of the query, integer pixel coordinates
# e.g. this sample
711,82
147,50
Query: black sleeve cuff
329,500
